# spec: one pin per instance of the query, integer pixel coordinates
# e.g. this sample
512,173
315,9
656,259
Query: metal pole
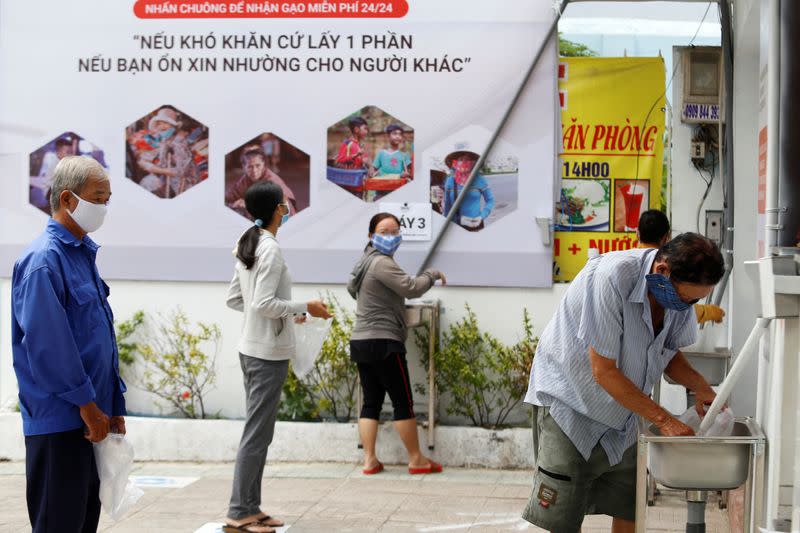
433,332
773,126
789,169
493,139
727,146
641,484
696,511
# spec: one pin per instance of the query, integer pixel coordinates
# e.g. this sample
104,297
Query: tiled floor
331,497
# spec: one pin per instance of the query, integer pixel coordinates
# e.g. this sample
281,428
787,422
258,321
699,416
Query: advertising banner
612,130
345,105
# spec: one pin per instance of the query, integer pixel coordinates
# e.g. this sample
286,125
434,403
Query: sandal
249,528
374,470
432,468
265,521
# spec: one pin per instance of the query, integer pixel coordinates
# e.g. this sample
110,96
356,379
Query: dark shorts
566,487
382,368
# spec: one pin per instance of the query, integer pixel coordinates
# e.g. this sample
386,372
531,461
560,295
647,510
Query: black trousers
62,483
386,375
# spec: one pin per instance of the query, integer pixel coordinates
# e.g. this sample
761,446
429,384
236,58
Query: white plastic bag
721,427
691,418
309,338
114,458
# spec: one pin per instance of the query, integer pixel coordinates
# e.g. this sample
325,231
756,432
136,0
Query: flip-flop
432,468
247,528
374,470
264,521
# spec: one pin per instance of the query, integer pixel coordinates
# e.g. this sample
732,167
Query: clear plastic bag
721,427
114,458
309,338
691,418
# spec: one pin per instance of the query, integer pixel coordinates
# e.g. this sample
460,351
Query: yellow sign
612,130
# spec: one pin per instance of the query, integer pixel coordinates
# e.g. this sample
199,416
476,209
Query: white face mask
87,215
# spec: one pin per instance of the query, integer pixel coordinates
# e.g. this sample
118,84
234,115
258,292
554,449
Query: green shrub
485,378
178,359
297,403
126,333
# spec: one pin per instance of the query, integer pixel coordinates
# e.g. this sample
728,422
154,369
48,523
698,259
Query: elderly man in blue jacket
65,353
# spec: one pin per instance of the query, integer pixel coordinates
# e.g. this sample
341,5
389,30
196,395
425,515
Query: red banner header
197,9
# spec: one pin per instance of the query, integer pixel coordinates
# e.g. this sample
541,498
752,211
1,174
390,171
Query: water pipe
749,350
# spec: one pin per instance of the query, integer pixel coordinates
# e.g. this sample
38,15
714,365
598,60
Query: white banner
187,113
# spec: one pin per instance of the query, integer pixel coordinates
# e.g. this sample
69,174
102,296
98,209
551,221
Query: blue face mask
386,244
166,134
285,218
162,136
665,294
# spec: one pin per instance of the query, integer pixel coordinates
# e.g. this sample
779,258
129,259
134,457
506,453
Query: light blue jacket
471,207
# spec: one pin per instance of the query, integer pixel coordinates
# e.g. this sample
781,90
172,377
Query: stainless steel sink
703,463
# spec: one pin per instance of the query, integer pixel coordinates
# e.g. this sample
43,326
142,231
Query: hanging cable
669,83
707,136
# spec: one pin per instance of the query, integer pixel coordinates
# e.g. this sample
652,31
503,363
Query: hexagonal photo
491,196
43,161
166,152
267,157
370,153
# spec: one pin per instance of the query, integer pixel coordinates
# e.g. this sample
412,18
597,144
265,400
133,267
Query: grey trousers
263,382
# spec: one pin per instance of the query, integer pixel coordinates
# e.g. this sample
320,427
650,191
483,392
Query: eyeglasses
394,233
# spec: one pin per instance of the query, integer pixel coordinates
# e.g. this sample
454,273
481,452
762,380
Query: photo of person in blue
479,201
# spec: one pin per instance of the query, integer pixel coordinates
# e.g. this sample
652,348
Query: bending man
620,325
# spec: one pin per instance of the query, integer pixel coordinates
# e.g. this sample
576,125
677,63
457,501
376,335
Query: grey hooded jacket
381,287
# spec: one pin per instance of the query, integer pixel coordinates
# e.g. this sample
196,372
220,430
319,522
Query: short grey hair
71,174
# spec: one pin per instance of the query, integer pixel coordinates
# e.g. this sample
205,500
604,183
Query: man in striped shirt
619,327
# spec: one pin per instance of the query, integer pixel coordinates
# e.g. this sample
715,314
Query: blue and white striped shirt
605,307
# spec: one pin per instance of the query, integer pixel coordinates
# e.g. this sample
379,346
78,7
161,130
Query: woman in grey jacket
262,290
377,346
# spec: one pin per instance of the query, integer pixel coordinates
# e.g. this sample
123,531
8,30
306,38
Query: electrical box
702,74
714,225
703,84
698,150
